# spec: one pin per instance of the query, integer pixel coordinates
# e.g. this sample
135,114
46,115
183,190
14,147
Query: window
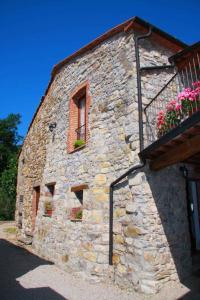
37,198
20,209
21,199
81,118
48,204
79,196
78,118
51,189
35,203
76,213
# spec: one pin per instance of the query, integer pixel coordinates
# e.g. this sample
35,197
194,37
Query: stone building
86,133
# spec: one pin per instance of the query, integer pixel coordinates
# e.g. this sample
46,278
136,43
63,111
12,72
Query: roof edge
184,51
125,26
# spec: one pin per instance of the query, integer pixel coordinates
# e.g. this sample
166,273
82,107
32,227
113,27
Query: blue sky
36,34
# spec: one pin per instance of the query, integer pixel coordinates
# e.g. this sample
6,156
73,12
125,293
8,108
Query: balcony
172,118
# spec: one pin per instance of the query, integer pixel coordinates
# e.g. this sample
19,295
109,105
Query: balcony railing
177,101
81,132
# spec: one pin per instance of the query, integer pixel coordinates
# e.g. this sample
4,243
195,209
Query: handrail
178,99
164,87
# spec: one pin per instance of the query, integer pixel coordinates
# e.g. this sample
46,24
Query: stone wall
143,256
152,243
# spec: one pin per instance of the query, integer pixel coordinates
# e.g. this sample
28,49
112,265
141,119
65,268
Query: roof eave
127,25
185,51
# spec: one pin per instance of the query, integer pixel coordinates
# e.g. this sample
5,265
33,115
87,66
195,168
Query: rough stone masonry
151,239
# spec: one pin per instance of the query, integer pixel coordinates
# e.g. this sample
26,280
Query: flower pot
74,212
79,143
49,212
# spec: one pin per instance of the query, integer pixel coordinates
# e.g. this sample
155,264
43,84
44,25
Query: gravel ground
25,276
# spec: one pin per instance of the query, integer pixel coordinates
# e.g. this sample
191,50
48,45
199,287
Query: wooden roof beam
177,154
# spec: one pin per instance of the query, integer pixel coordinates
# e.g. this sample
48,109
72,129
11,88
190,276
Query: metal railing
81,132
175,102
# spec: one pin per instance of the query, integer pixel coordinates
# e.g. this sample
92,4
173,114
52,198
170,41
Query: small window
51,189
48,204
76,212
79,196
78,120
20,209
36,198
35,203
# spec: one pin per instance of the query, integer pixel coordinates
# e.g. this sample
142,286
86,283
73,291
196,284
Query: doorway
193,195
36,198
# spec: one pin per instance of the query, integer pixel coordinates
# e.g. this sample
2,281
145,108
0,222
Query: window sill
76,220
77,149
47,216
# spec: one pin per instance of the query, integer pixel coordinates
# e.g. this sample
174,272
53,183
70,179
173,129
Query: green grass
10,230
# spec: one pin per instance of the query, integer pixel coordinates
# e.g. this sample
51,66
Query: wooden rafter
177,154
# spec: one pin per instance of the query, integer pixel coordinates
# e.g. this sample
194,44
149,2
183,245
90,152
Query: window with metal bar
81,118
78,118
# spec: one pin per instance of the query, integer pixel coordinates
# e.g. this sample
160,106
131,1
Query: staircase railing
175,102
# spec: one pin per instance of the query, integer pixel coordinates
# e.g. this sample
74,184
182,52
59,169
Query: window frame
74,116
50,192
78,190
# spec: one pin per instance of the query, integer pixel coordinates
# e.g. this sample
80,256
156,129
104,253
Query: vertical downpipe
111,227
139,87
141,139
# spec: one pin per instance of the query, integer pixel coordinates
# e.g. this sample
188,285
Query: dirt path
26,276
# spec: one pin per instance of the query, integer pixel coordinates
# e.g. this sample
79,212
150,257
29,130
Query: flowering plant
187,102
188,99
169,118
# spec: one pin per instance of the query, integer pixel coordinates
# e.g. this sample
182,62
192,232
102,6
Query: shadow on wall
168,188
169,193
15,262
193,284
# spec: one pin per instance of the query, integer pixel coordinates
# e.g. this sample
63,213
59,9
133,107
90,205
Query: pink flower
160,119
189,94
178,106
161,112
197,84
173,105
197,87
175,108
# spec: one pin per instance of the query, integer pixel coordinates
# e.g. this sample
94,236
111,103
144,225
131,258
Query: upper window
81,103
78,118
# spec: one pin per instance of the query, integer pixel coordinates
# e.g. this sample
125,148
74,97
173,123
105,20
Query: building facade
84,135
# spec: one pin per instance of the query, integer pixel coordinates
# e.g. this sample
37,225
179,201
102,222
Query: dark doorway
37,198
193,195
35,204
